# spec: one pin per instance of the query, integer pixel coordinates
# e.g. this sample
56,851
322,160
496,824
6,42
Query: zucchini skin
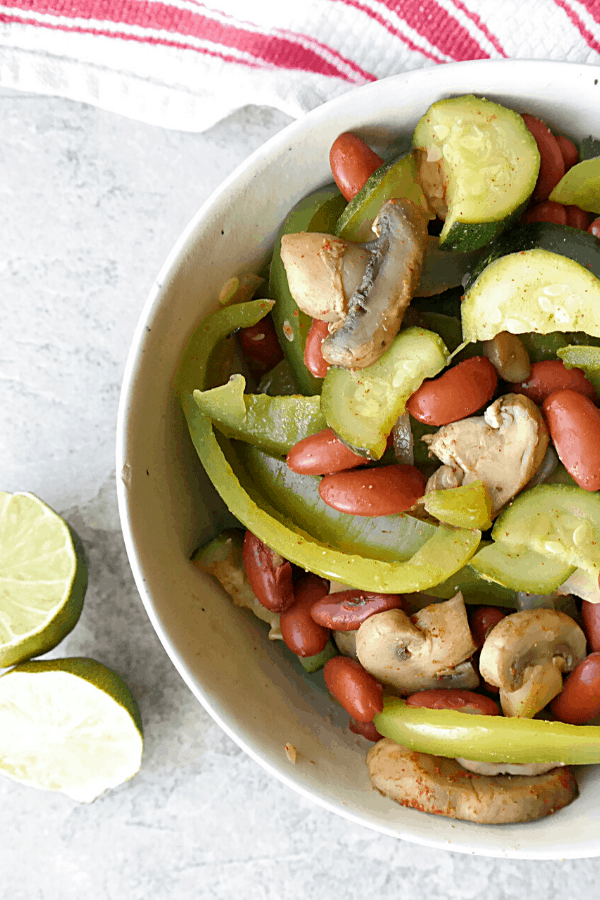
475,235
577,245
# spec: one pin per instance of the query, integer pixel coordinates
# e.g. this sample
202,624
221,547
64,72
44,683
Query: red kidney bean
594,228
578,218
570,153
365,729
270,575
574,425
552,164
551,375
322,454
590,613
352,163
579,700
452,698
548,211
458,393
299,630
481,621
347,610
353,687
314,360
261,346
379,491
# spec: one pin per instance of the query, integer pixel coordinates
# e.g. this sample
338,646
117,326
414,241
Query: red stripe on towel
268,51
578,23
441,29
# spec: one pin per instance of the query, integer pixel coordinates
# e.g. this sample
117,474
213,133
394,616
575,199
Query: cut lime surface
43,578
69,725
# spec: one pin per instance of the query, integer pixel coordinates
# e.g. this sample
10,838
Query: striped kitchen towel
186,64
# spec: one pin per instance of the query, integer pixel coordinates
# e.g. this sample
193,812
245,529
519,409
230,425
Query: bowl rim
127,402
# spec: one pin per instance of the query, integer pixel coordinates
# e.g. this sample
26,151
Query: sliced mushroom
442,786
503,448
345,641
484,768
444,478
323,271
377,306
428,650
525,656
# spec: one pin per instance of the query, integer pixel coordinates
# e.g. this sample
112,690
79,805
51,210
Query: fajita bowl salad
405,424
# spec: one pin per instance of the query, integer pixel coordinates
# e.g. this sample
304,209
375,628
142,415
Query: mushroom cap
376,308
438,785
503,448
322,272
412,654
526,654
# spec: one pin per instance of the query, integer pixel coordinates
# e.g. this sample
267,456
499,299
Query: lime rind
43,578
69,725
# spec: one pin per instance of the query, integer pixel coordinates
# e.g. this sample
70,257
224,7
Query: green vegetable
317,212
279,382
580,186
475,589
539,277
520,569
273,423
313,663
589,148
586,358
397,179
556,520
446,552
488,161
547,346
389,538
194,365
543,346
445,732
468,506
362,405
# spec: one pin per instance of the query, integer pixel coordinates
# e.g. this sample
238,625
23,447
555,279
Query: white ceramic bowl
252,687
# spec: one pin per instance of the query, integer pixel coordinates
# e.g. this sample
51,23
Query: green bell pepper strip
493,739
443,554
273,423
390,538
192,369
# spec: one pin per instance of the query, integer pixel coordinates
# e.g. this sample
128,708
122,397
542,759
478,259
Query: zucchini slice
394,180
362,405
557,521
536,278
480,161
520,569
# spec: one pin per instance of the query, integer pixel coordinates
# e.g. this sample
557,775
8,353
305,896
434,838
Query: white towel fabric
184,64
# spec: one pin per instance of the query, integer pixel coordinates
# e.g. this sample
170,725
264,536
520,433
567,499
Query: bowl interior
255,688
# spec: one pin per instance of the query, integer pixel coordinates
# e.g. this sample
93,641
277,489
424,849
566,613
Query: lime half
69,725
43,578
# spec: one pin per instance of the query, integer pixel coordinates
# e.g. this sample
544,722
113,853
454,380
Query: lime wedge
43,578
69,725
